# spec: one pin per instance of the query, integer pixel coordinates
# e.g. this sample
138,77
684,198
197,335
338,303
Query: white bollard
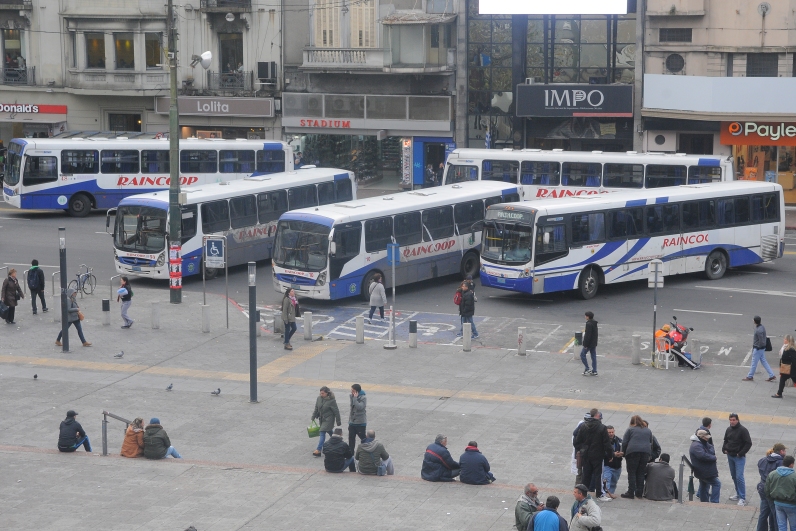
521,347
155,315
467,336
412,334
205,318
696,350
635,354
279,324
308,326
55,308
360,329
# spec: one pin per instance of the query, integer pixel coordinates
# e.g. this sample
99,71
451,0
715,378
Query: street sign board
655,271
393,254
215,257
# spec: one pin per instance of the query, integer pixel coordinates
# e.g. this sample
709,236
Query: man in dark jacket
474,466
337,455
156,442
660,481
768,512
612,465
548,518
737,444
438,465
71,434
781,488
594,444
589,345
707,422
703,461
36,285
467,309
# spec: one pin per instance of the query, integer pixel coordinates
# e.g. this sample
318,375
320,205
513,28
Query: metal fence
19,76
230,80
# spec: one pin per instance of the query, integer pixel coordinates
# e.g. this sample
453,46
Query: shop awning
714,116
418,18
38,118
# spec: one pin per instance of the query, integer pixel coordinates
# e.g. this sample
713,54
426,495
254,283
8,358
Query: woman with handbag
786,364
327,412
11,294
74,316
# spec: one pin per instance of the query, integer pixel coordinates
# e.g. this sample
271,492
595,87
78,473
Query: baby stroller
671,343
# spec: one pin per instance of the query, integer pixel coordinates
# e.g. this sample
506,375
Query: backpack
33,279
457,298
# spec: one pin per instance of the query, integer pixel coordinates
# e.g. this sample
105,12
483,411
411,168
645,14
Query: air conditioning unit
266,70
661,141
674,64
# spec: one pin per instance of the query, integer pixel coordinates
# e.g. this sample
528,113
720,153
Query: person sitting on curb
370,454
337,455
660,481
72,435
156,442
133,445
527,504
438,465
585,512
548,518
474,466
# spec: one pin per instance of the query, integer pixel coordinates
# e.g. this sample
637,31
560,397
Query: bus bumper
161,272
524,284
304,290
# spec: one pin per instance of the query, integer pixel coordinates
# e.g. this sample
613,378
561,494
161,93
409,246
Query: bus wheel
365,294
716,265
470,265
588,284
79,206
210,272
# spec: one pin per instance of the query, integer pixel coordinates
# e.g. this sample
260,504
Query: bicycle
84,281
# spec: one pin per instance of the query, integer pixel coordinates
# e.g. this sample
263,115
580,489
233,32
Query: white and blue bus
582,242
78,174
244,211
333,252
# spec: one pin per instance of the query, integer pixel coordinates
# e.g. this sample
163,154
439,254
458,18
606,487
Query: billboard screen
557,7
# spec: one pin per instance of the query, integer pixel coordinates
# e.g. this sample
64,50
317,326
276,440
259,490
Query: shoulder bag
784,369
80,315
381,469
769,348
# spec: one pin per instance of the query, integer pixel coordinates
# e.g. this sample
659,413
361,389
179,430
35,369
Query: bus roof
462,156
644,197
146,143
201,193
386,205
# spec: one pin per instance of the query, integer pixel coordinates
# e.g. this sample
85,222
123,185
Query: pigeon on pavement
169,388
120,354
216,392
35,376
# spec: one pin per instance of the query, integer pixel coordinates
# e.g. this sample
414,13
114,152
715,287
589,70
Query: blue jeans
768,515
786,517
81,441
290,329
759,356
79,328
593,351
704,488
610,478
468,320
736,471
322,439
173,452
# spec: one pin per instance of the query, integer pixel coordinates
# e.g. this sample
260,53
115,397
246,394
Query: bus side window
540,173
588,228
741,210
489,201
581,174
771,203
198,161
302,197
617,224
661,175
120,161
408,228
438,223
459,174
343,189
79,161
704,174
155,161
236,161
215,216
378,233
624,176
500,170
270,161
189,217
551,243
40,170
663,219
467,214
243,211
698,215
271,205
758,211
347,240
726,211
326,193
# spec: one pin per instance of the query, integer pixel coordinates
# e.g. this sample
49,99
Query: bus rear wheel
79,206
716,265
365,293
588,284
470,265
210,272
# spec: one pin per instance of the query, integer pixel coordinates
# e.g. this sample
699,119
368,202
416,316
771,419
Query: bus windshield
301,245
507,243
13,164
140,229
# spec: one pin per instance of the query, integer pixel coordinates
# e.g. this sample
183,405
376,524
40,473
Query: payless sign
758,133
556,100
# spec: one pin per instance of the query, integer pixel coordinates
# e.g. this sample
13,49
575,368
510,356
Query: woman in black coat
788,359
10,294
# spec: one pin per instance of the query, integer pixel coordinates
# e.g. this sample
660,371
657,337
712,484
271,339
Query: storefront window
153,50
368,158
95,50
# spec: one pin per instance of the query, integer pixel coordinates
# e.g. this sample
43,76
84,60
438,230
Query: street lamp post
64,298
175,241
253,331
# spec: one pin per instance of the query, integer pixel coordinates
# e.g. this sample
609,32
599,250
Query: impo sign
765,134
575,100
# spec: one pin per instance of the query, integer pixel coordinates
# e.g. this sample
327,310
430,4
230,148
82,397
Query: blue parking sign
393,254
214,253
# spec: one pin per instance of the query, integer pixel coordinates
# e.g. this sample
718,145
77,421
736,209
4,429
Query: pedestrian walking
703,465
438,465
157,444
737,444
527,504
612,466
759,342
586,514
290,311
589,345
36,286
593,443
378,297
11,294
327,412
786,363
357,417
768,512
467,309
637,449
71,434
548,518
133,444
125,295
73,317
781,487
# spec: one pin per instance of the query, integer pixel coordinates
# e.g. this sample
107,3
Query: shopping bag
313,430
3,310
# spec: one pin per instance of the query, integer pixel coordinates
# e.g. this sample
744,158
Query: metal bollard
360,329
635,354
205,318
696,350
259,329
106,312
521,347
467,336
279,324
104,435
308,326
155,315
680,482
412,334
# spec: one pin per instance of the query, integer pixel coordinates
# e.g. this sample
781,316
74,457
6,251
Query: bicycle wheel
89,283
73,285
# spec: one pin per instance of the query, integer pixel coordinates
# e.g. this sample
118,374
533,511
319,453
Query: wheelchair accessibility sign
215,253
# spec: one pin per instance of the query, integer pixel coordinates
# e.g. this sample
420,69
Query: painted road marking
752,291
568,344
539,344
281,365
749,355
15,219
789,252
701,311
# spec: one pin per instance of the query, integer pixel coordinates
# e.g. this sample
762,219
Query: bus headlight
483,269
526,273
161,259
321,279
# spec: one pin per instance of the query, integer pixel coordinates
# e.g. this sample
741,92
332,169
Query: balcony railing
118,79
19,76
230,81
226,6
16,4
344,58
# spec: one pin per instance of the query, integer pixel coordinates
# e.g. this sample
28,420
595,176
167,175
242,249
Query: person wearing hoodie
36,285
527,504
589,345
593,443
768,513
357,418
781,487
73,317
71,434
703,465
586,514
327,412
337,455
737,444
438,465
157,444
133,445
548,518
370,454
637,449
474,466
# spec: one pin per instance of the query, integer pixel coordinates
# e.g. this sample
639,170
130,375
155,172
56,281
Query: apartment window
231,47
674,35
125,53
73,43
12,46
95,50
363,24
124,122
762,65
152,44
326,15
730,65
435,36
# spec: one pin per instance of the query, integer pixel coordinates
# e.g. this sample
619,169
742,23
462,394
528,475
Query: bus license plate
295,286
136,268
501,280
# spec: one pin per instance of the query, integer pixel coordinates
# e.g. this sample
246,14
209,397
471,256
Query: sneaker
131,324
594,373
776,396
316,453
58,344
604,498
741,503
587,372
459,334
86,344
34,313
370,322
45,310
734,497
125,326
476,336
288,347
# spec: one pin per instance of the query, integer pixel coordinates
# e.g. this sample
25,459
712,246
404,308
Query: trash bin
578,339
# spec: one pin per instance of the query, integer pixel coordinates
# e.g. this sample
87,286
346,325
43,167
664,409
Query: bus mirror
332,248
546,238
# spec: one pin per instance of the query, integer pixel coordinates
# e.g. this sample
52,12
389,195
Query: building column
460,95
638,85
519,48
